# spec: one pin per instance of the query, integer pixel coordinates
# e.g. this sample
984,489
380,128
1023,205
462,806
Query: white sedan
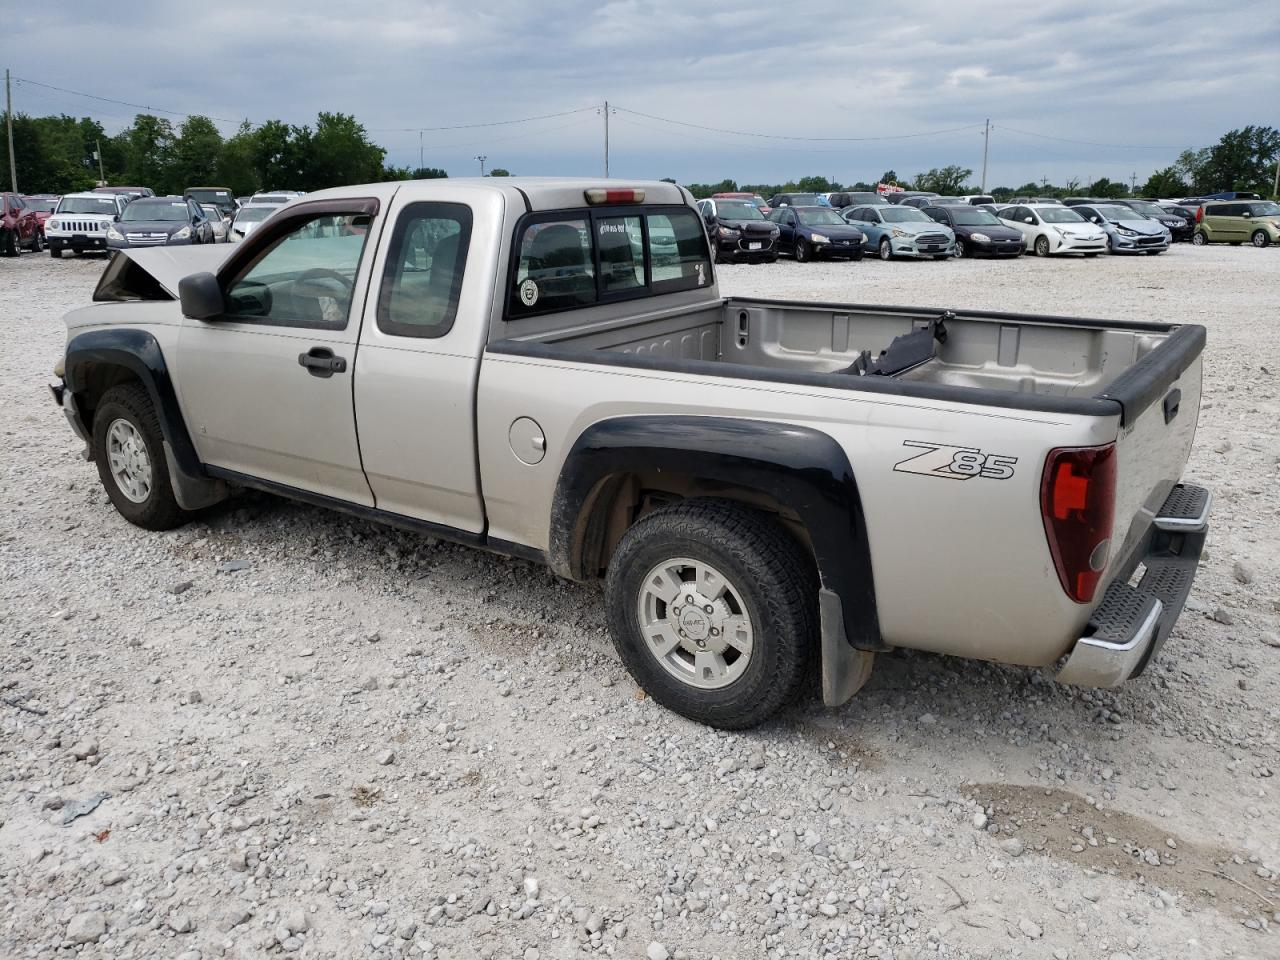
1052,228
221,224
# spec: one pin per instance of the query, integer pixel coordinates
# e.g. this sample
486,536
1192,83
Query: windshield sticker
529,293
702,274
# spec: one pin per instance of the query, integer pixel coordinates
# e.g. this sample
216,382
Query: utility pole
102,177
8,122
1133,181
482,158
420,155
1044,181
1275,190
986,142
606,139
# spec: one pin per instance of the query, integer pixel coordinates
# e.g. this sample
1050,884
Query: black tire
855,257
1198,239
772,259
1090,256
56,253
1236,243
885,249
130,402
802,250
9,244
37,243
961,252
778,586
1260,239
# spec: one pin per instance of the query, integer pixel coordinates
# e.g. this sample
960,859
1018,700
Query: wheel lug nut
715,631
688,598
708,608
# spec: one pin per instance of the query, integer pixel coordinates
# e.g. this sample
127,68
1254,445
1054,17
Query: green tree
891,176
147,150
1190,166
1108,188
1243,159
816,185
1165,183
499,172
428,173
194,157
279,155
945,180
235,162
340,153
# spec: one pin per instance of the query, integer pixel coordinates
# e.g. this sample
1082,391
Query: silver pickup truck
772,491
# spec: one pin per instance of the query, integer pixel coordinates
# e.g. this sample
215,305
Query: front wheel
55,252
129,449
886,249
802,250
1090,256
1198,239
712,607
1260,238
961,253
37,243
772,259
856,255
1042,246
9,244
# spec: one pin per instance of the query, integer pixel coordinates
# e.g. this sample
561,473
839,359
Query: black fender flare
139,352
802,468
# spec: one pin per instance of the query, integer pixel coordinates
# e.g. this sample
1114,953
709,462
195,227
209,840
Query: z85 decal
955,463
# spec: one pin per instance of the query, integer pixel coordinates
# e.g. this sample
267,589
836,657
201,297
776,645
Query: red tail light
1199,214
1078,503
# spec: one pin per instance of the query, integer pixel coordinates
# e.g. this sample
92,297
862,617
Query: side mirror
1029,220
116,218
1247,214
201,297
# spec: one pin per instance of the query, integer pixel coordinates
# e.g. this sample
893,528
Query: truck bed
1064,364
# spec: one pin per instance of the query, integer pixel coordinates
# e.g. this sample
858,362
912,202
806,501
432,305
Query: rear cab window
570,259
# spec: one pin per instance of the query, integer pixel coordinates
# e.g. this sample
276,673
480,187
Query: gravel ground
308,734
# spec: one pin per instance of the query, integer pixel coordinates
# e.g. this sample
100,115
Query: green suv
1235,221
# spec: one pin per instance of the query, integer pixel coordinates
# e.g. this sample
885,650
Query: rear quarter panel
961,566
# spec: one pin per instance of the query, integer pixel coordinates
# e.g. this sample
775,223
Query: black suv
739,231
794,200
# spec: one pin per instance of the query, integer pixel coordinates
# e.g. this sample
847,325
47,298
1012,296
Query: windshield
1116,213
1265,209
738,210
268,198
212,210
1147,209
253,214
975,217
801,199
103,205
1059,215
40,204
219,197
818,218
155,210
904,215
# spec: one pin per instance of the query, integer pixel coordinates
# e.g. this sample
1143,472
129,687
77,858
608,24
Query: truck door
266,386
419,361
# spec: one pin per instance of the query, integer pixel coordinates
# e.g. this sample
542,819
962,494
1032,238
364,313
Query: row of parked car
745,227
116,218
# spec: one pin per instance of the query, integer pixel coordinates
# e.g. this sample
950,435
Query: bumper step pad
1185,510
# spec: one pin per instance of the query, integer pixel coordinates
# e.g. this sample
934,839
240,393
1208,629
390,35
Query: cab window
422,279
304,278
555,271
677,251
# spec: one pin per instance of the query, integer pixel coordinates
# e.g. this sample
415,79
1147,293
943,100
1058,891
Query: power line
472,126
1091,143
779,136
123,103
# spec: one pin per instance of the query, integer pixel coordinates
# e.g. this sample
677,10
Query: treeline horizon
56,154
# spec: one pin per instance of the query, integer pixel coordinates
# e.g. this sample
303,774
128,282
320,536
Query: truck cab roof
535,193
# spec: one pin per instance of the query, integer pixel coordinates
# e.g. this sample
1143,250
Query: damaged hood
168,265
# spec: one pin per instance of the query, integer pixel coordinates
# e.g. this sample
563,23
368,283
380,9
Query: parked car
972,507
1255,221
898,231
857,198
160,221
1180,228
739,231
275,197
814,232
1051,228
19,226
978,199
930,200
794,200
130,193
1232,195
740,195
1050,200
42,205
902,196
247,218
81,220
219,220
1177,211
979,232
1127,230
221,197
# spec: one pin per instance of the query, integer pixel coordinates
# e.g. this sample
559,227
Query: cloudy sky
704,89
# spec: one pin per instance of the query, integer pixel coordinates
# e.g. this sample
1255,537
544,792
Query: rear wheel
886,249
37,243
802,250
129,449
712,607
1198,239
1042,246
1260,238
